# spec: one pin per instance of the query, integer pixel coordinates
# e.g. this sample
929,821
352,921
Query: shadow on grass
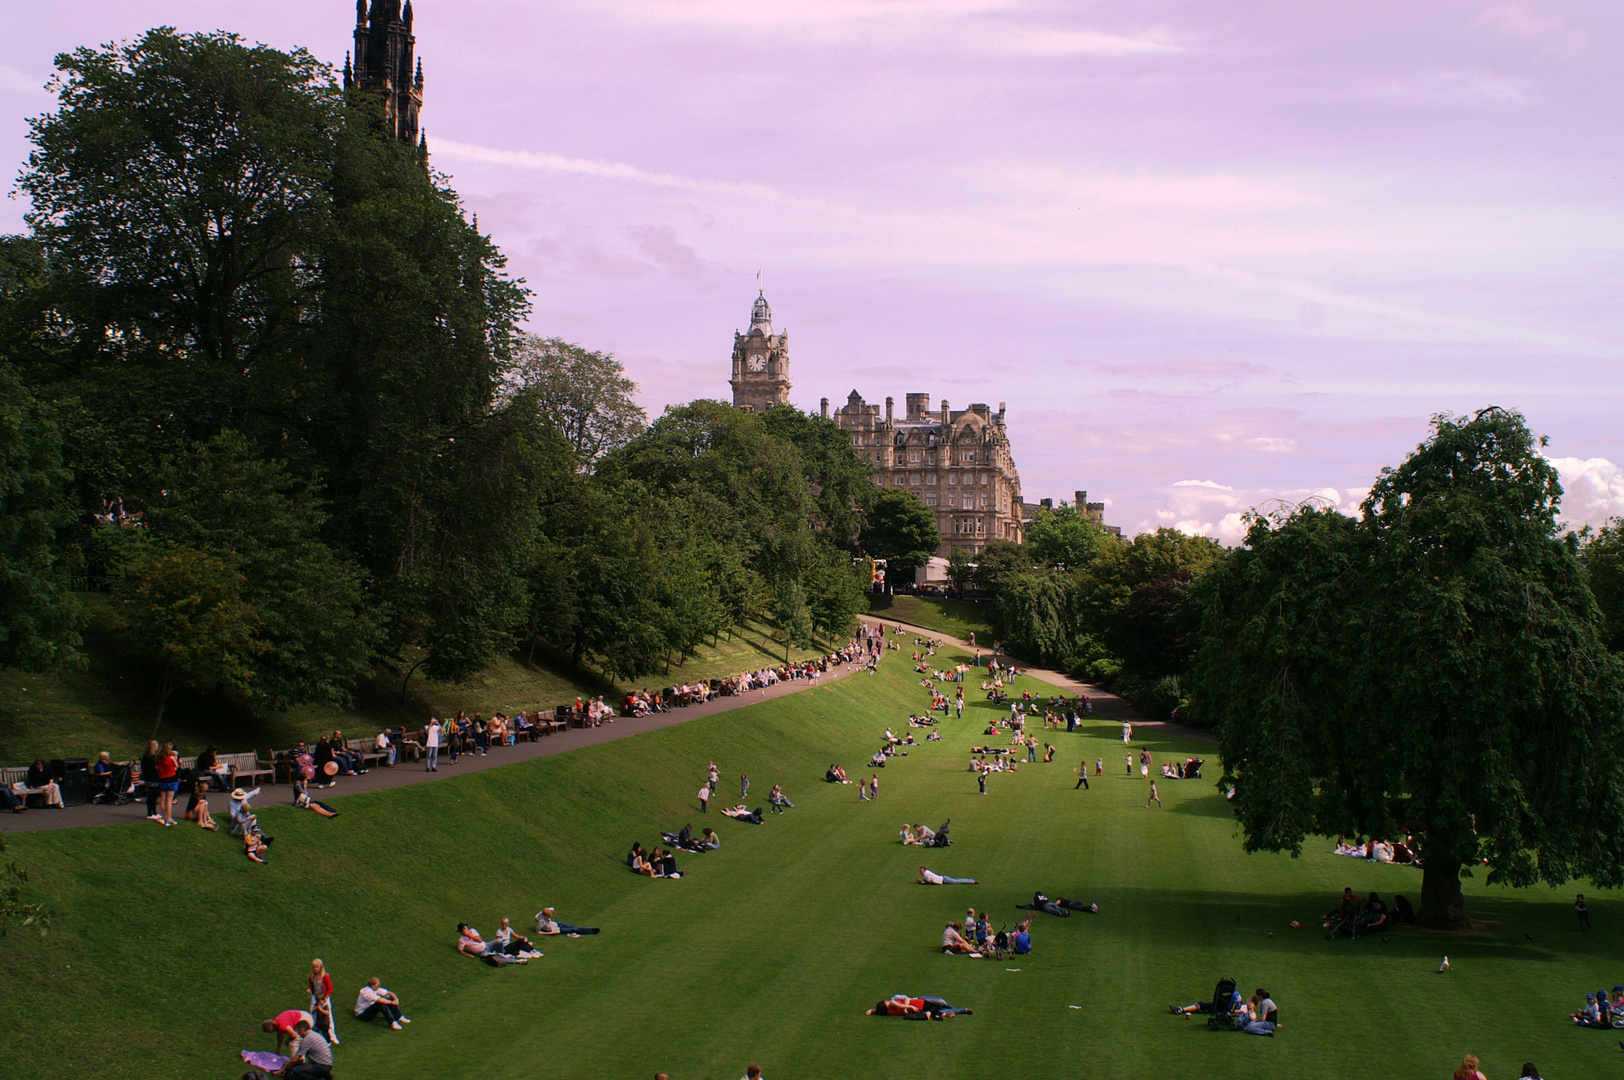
1213,806
1204,920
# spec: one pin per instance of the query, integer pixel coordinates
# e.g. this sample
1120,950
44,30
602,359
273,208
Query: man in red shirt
285,1025
916,1008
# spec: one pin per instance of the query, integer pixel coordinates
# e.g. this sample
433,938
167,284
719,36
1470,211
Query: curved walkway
1106,704
379,779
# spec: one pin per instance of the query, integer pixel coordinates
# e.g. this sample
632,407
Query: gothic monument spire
383,64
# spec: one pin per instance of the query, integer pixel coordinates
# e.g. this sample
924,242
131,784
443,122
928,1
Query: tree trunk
1442,905
165,687
408,679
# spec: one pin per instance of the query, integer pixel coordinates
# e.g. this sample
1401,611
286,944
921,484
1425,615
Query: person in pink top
284,1025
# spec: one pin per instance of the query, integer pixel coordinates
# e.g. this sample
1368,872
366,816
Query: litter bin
73,777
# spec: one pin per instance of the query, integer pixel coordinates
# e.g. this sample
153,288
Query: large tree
1436,665
901,530
1603,558
585,394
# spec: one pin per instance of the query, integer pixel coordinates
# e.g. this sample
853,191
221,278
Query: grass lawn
168,947
111,704
955,617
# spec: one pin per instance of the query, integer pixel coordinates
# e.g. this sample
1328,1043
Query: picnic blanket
259,1059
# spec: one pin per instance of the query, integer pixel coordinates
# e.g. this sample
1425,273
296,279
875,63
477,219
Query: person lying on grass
1058,906
1234,1006
929,877
744,813
685,839
469,943
547,925
916,1008
953,941
302,799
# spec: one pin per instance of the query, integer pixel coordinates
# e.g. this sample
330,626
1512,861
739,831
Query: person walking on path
704,799
1082,776
432,745
1127,732
1154,798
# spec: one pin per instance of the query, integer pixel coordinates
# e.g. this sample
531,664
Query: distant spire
406,16
423,147
360,12
349,75
418,80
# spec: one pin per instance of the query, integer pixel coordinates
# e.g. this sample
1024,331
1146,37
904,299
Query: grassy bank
111,704
956,617
168,947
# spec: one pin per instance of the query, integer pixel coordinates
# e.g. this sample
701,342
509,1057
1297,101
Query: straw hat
238,795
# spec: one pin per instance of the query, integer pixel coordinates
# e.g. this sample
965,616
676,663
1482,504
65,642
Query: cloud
20,81
1208,508
1475,86
998,27
1517,19
1593,490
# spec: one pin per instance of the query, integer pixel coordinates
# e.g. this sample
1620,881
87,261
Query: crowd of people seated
1188,769
1373,850
1357,918
1601,1011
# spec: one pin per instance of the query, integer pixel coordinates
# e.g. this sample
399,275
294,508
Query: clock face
756,362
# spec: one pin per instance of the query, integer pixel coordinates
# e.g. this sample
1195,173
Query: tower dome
761,315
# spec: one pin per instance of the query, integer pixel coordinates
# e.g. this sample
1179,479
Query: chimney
823,405
945,417
890,402
1082,500
918,404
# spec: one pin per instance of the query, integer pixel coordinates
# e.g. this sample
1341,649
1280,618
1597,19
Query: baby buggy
1225,1014
940,839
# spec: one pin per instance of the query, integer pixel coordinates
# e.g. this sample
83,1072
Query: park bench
16,778
368,749
246,769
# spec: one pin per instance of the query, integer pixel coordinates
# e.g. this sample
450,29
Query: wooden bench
368,751
16,778
248,765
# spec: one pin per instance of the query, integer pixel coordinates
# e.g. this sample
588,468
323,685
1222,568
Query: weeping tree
1434,665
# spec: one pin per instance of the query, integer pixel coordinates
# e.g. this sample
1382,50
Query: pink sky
1211,255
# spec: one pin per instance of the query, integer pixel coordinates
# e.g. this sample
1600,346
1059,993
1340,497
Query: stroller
940,839
1224,1016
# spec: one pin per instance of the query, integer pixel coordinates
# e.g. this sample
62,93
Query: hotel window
930,478
985,499
930,498
969,456
952,498
915,480
952,478
914,455
983,478
981,526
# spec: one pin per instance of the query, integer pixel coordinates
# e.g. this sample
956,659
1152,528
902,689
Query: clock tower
760,363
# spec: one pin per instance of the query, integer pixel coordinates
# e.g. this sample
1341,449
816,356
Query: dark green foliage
1064,537
584,394
1436,664
901,530
842,483
1603,559
39,619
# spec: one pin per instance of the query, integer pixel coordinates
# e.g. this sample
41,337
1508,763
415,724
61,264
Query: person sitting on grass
908,835
1592,1015
245,824
708,840
835,775
1375,915
506,938
469,943
916,1008
928,877
744,813
547,925
1267,1015
778,800
312,1057
284,1025
197,808
954,941
374,1000
638,860
664,863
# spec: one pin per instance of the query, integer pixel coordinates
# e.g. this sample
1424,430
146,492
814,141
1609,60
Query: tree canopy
1436,664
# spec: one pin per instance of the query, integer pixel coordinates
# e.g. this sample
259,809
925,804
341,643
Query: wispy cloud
18,81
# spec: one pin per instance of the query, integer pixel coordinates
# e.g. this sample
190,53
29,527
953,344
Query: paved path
1106,704
378,779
